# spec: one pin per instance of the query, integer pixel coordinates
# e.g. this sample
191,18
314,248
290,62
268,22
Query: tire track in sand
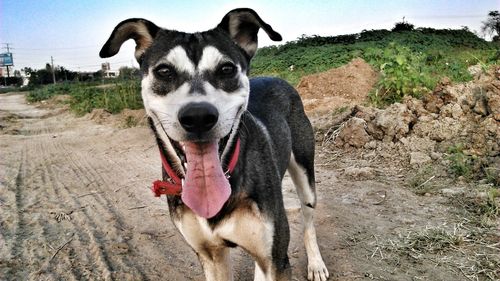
20,231
102,222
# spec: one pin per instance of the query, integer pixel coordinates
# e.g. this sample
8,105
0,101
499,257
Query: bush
113,99
86,97
11,81
403,26
47,92
402,73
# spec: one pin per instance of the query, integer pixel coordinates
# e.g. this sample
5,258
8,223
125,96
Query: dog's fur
206,75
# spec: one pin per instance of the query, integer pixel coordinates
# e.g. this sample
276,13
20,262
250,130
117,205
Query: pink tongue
206,188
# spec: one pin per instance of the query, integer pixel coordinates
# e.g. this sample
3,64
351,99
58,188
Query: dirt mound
125,119
416,132
130,118
99,115
338,87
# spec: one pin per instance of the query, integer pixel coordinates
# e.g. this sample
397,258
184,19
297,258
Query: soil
338,87
75,203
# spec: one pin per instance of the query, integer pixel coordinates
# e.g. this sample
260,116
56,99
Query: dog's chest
245,227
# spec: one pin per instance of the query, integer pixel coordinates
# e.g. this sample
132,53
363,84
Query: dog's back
278,106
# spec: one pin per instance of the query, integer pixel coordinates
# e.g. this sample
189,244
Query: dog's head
194,85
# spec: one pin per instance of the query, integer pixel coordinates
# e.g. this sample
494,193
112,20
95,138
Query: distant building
105,67
25,76
107,72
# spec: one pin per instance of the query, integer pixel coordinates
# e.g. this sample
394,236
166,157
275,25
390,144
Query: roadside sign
6,59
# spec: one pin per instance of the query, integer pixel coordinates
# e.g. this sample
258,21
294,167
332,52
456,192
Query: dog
226,142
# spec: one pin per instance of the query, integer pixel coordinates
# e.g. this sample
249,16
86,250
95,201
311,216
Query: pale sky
73,32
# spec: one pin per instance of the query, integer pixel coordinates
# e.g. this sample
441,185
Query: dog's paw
316,271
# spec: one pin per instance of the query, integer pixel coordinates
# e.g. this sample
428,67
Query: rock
475,70
419,158
435,155
394,121
452,191
433,103
365,113
493,99
354,133
480,107
371,145
120,248
415,105
439,130
452,110
364,173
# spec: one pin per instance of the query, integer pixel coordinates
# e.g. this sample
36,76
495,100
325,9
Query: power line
445,17
55,49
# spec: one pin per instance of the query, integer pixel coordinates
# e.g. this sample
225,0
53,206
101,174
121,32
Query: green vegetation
86,97
472,167
403,72
421,182
112,98
460,163
47,92
411,61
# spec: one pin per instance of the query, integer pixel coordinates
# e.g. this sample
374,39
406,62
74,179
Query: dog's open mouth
205,187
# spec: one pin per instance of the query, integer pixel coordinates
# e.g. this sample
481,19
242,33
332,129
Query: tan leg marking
316,269
246,227
212,252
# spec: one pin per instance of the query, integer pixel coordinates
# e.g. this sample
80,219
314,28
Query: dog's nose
198,117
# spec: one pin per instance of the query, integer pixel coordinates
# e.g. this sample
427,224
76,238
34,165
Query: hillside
426,52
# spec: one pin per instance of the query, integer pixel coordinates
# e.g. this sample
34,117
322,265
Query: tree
492,25
403,26
129,72
44,76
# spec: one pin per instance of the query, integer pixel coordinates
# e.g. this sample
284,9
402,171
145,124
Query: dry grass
470,247
422,181
462,250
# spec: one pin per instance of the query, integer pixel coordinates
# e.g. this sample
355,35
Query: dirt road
75,205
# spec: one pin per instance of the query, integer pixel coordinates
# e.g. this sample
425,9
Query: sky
73,32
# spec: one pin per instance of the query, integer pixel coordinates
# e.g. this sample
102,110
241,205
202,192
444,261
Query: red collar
174,186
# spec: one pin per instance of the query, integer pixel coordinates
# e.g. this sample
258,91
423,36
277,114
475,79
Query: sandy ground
75,205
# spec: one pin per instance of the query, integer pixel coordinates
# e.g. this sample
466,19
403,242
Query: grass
468,246
460,163
84,98
113,99
48,91
432,240
466,250
472,167
482,211
422,181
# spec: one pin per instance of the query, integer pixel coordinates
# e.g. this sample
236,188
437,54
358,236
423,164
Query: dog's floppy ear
141,30
242,26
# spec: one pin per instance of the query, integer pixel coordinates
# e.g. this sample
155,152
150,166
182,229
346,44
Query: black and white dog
204,109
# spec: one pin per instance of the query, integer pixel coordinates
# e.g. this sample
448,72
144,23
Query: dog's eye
165,72
226,70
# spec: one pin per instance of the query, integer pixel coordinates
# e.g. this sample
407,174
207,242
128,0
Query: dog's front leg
216,263
213,254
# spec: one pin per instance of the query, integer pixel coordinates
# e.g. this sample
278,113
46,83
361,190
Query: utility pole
53,71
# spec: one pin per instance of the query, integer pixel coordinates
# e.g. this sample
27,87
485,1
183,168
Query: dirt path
75,205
